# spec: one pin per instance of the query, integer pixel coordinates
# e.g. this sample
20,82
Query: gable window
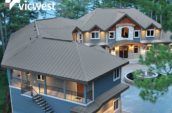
116,105
111,35
116,74
136,49
150,33
95,35
40,77
125,32
136,34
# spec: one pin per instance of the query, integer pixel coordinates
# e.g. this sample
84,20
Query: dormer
77,35
153,31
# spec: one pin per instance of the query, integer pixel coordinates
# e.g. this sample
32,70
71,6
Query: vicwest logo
30,6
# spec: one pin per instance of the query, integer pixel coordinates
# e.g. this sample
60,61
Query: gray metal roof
104,18
99,101
68,60
62,28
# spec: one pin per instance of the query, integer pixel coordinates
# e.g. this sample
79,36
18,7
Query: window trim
114,74
95,32
41,78
113,34
138,33
114,104
150,33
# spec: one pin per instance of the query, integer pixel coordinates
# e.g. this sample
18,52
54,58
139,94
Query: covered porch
128,49
31,83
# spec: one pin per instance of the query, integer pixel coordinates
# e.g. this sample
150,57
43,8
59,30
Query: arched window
125,32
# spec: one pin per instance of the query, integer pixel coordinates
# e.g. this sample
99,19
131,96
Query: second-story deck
53,87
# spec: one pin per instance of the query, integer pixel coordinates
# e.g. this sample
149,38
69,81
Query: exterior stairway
39,100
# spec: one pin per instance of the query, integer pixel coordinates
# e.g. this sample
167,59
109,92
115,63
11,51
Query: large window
125,32
111,35
116,74
116,105
136,34
150,33
95,35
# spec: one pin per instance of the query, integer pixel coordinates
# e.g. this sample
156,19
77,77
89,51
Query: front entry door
123,52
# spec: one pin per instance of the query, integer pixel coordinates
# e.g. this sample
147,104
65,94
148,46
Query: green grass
4,94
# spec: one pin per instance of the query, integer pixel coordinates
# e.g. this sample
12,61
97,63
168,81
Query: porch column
85,93
45,85
64,88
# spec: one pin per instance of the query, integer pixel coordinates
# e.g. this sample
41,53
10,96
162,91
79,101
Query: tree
12,20
159,60
160,10
72,8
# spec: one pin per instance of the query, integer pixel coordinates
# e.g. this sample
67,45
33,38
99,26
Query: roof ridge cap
93,13
80,59
37,29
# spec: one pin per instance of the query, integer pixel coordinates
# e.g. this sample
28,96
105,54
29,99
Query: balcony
52,86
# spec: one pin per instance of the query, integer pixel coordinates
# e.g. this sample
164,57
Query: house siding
104,83
21,103
109,105
136,39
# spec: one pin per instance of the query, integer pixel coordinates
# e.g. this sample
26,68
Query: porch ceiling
125,42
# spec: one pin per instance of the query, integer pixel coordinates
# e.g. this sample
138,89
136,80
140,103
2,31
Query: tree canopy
159,60
12,20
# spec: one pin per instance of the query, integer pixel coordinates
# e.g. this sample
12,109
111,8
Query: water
133,103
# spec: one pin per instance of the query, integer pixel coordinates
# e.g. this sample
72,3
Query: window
136,49
116,74
125,32
136,34
111,35
40,77
116,105
150,33
95,35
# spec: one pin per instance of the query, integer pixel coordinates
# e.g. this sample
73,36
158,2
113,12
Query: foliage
4,98
159,59
160,10
14,19
152,89
72,8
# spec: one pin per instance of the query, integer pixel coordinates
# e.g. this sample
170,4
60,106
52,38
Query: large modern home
62,65
126,33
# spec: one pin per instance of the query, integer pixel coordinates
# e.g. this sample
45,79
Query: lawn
4,94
